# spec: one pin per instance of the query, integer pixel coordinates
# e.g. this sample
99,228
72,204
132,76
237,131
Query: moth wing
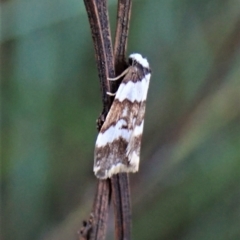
120,131
134,146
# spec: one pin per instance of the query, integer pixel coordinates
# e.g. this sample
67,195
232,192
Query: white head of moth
119,140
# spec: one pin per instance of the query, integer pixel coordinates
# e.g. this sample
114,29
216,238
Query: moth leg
111,94
121,75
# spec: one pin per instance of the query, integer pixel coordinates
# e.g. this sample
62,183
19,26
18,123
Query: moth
118,143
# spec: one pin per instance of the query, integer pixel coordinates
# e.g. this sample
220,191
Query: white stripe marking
119,167
113,133
138,129
134,91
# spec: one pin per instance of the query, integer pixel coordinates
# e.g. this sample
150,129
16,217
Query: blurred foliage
188,184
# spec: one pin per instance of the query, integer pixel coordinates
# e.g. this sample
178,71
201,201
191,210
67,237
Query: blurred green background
188,186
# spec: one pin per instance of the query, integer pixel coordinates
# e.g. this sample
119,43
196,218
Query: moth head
137,58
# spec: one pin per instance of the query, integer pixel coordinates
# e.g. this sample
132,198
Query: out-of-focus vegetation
188,186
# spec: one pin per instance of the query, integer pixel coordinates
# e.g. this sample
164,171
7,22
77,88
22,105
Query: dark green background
188,187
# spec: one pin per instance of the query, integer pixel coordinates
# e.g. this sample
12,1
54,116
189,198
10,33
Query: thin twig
121,36
120,182
98,19
122,206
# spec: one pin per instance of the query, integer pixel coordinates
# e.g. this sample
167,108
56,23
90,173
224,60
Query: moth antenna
121,75
111,94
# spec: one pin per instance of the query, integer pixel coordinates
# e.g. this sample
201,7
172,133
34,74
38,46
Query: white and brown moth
118,143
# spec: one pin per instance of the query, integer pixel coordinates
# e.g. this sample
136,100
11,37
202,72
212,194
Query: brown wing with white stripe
119,140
